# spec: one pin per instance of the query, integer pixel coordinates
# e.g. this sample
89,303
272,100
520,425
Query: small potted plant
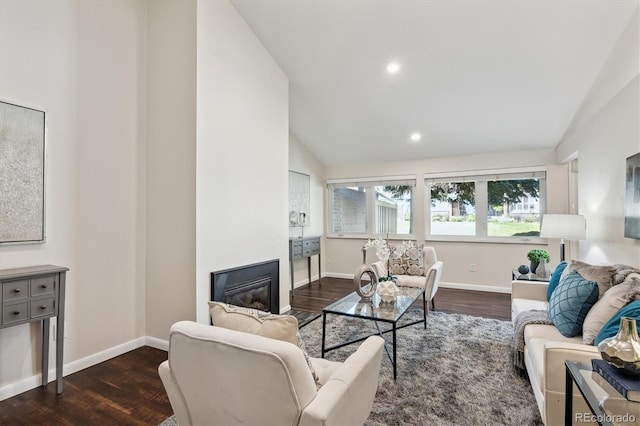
534,257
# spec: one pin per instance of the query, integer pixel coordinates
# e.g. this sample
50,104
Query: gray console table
36,293
304,247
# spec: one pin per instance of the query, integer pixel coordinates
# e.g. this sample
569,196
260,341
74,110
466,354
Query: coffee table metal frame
378,311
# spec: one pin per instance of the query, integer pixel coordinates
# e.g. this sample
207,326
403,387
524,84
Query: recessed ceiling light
393,67
415,137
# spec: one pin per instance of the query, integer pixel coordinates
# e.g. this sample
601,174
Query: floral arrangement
384,252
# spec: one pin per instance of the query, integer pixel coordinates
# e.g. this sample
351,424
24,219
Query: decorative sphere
523,269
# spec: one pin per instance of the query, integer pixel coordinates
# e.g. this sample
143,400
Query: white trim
476,287
462,173
305,281
371,179
338,275
285,309
154,342
32,382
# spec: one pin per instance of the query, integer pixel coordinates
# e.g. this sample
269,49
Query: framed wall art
22,155
632,198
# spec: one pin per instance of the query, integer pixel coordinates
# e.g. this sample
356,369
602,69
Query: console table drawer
43,307
15,313
13,291
43,286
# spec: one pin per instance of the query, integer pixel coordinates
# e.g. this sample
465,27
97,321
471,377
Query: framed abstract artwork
22,157
632,198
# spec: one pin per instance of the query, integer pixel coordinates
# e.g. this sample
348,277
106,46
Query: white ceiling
477,76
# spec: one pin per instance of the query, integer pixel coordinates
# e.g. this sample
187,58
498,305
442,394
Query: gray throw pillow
611,302
570,302
603,275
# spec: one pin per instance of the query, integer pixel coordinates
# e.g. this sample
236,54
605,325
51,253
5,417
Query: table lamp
564,226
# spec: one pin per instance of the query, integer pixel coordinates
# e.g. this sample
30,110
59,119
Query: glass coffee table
375,310
608,407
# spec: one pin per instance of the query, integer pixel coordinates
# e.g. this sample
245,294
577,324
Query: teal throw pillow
570,302
610,329
555,278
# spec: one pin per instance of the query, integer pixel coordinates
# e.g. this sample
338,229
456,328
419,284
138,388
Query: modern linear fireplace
252,286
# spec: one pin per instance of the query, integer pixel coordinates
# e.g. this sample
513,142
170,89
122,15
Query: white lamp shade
565,226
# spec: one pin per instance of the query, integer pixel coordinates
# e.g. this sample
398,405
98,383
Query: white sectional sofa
545,352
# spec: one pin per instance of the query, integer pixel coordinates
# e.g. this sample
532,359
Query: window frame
369,183
481,177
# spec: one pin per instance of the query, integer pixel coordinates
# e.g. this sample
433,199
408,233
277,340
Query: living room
166,117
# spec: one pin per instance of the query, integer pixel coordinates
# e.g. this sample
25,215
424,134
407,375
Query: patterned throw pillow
570,302
254,321
410,263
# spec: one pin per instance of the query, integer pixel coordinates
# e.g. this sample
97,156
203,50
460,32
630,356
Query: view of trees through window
513,207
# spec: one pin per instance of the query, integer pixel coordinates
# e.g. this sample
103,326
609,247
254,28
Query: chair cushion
254,321
611,302
411,281
570,303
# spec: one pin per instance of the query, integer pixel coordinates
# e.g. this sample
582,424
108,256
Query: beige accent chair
430,280
217,376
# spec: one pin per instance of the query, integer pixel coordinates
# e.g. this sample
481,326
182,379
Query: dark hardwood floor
127,390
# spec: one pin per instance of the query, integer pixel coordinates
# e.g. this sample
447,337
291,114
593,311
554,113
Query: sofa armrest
347,397
555,354
535,290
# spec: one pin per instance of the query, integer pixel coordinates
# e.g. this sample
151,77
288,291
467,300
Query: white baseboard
459,286
154,342
336,275
32,382
476,287
306,281
285,309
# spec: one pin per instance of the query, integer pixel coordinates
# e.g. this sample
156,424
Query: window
492,206
371,206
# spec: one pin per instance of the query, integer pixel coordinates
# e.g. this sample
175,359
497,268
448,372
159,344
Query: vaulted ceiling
475,77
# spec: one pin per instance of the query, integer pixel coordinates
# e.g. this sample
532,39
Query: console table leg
45,351
60,334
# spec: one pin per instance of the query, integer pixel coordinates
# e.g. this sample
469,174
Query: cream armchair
217,376
430,280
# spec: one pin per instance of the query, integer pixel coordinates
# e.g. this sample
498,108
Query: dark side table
515,275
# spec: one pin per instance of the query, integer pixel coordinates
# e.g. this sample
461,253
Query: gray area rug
456,372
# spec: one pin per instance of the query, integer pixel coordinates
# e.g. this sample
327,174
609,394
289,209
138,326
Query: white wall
242,142
171,165
84,63
302,161
494,261
608,133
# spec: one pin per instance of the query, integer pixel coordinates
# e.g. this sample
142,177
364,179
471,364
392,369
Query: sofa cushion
604,275
254,321
610,329
570,303
555,278
611,302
